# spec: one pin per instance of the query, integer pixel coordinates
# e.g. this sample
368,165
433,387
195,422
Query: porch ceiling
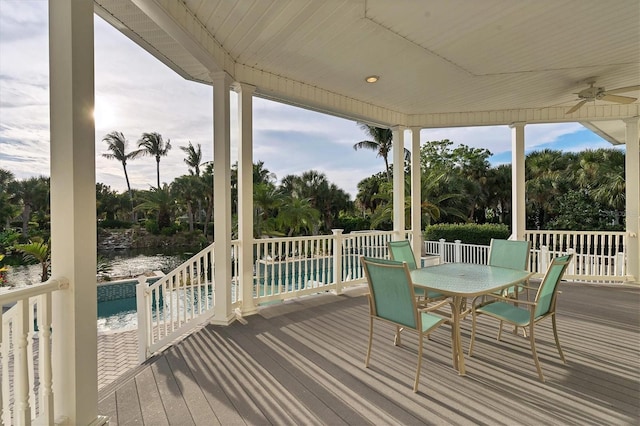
441,63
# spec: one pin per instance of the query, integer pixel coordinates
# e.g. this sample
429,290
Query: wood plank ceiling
433,57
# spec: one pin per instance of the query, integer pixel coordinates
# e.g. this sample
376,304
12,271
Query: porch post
518,206
222,199
245,194
632,182
416,195
398,182
73,211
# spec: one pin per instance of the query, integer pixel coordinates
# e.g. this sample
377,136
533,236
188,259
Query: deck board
173,400
149,396
302,362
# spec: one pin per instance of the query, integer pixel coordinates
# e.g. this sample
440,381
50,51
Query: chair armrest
496,297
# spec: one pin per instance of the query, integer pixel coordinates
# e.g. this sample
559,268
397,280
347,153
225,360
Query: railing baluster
46,372
21,368
31,329
4,351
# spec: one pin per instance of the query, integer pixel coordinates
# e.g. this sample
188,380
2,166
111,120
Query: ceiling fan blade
576,107
617,98
623,89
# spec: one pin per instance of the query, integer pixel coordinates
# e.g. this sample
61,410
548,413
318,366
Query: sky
135,93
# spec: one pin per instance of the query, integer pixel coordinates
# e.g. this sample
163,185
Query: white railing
284,268
180,301
457,252
598,256
291,267
25,345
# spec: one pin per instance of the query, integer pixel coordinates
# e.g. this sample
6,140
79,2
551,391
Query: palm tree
261,174
117,144
544,170
33,194
382,143
186,190
107,202
296,214
266,200
37,251
601,174
206,181
194,158
368,188
158,201
153,144
8,208
499,189
432,203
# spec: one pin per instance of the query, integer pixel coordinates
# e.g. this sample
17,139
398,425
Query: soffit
433,57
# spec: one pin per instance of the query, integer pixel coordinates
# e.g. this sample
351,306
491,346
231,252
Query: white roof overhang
442,63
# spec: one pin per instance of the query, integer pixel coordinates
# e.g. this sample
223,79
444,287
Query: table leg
456,311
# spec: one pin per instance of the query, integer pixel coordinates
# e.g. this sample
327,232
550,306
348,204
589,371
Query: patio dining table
461,281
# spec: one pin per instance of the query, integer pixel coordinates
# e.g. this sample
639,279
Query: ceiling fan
593,93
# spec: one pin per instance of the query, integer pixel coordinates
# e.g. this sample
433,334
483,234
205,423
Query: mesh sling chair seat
544,306
392,300
512,254
402,251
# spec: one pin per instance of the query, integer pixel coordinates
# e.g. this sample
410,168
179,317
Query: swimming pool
117,315
117,309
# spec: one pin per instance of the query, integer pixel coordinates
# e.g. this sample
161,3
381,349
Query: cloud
23,21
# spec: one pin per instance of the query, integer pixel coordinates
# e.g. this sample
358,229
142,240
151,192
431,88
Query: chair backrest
546,296
512,254
391,291
402,252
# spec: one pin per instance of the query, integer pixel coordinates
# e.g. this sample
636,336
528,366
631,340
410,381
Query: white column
398,182
222,199
518,205
416,195
245,194
73,210
632,183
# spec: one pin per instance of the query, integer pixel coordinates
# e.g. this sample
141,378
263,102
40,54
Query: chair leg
499,330
533,351
416,381
397,341
366,361
555,334
473,332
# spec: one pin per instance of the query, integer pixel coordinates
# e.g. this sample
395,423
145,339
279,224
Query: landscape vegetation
571,191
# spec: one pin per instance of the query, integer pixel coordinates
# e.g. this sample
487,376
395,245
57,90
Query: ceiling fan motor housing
592,93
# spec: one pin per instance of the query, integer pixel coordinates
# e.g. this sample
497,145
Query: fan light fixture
372,79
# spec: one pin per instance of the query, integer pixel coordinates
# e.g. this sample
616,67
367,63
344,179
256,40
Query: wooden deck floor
302,363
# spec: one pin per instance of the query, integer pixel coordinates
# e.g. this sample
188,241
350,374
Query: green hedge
468,233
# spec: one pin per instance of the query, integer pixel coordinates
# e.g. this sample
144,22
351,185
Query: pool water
117,308
119,314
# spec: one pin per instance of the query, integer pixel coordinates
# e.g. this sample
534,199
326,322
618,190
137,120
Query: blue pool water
119,314
117,305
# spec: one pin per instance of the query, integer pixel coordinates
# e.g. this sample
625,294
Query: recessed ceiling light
372,79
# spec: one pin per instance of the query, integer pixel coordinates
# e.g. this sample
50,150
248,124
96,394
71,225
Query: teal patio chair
512,254
544,306
402,251
392,300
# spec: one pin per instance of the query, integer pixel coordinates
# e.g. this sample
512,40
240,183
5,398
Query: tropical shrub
468,233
